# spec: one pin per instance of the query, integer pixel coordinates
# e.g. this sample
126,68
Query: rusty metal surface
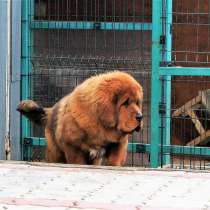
29,186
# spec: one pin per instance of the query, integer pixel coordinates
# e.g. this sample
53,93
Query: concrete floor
37,186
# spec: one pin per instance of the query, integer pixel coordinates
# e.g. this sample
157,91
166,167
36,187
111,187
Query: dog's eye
126,103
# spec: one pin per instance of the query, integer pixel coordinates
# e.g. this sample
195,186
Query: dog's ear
107,110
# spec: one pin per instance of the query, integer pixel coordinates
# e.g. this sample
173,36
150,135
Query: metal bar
167,79
184,71
167,139
155,81
171,149
36,141
186,150
25,64
146,148
90,25
139,148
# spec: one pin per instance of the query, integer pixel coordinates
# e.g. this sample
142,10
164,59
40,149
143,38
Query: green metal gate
125,35
186,62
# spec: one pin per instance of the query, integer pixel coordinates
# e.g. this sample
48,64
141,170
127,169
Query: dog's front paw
94,153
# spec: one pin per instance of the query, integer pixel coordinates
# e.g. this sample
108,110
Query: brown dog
92,122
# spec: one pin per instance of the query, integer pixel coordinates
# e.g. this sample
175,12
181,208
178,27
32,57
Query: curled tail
33,111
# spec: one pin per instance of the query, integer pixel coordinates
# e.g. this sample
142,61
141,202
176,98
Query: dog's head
120,104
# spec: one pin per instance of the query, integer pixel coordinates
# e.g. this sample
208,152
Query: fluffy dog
92,123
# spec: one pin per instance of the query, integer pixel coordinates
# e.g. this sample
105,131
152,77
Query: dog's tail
33,112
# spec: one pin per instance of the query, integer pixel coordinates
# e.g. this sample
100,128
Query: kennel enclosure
164,44
76,39
117,35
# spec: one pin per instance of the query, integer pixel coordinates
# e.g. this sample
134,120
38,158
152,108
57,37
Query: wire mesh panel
93,10
73,40
34,149
190,123
184,103
191,33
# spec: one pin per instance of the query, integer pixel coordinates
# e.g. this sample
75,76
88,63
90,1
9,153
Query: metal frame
184,71
168,78
164,147
161,54
90,25
155,81
167,73
27,24
133,147
171,149
25,63
161,144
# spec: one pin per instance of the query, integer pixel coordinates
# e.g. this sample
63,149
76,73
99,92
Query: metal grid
88,48
93,10
91,31
72,40
191,33
189,111
190,123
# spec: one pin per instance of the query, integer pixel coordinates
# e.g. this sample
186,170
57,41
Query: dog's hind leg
53,153
74,155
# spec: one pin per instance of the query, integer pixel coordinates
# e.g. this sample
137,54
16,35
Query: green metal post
155,81
167,79
31,19
25,63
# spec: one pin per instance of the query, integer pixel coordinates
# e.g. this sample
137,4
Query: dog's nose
139,117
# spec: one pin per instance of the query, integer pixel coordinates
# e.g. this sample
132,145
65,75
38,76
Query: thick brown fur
91,124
